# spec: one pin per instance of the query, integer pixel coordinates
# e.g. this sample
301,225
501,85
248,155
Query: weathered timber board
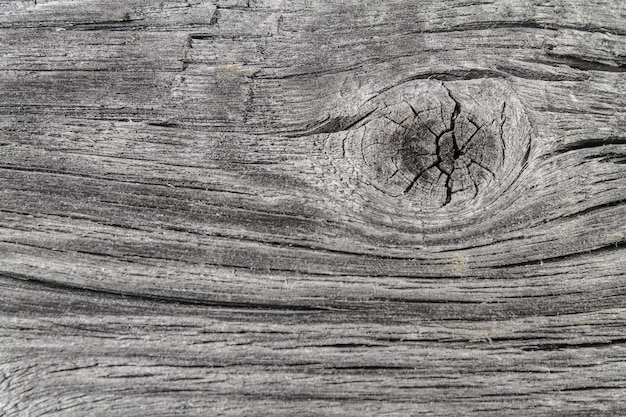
316,208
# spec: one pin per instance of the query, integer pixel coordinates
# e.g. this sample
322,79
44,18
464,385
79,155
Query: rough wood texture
301,207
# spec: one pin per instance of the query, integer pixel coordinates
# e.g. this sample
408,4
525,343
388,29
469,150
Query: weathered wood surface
312,208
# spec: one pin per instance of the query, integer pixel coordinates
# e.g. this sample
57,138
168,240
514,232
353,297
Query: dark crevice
371,368
559,346
476,190
524,24
587,144
559,294
83,176
200,37
163,124
578,63
112,24
536,73
426,125
491,25
609,157
451,75
137,258
451,146
334,125
417,177
350,123
449,184
480,165
495,242
347,345
503,121
431,301
469,140
591,209
392,339
154,298
456,153
215,18
561,258
525,158
593,388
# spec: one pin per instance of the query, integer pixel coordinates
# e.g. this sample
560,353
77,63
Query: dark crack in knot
438,147
450,146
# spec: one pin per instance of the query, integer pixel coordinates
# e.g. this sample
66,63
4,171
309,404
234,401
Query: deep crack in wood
431,146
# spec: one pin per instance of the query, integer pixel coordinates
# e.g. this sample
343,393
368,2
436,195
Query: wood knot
437,146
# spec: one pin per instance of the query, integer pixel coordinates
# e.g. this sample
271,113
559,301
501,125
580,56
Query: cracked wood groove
241,207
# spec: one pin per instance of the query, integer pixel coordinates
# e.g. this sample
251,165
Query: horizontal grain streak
597,251
160,299
587,345
578,63
587,144
599,207
522,24
44,171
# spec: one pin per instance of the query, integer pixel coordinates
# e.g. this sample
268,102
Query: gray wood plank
312,208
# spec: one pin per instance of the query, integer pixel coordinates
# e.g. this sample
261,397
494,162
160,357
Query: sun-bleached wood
313,208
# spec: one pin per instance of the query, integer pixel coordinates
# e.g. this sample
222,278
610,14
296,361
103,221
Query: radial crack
473,161
421,137
418,115
417,177
503,117
469,140
449,182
